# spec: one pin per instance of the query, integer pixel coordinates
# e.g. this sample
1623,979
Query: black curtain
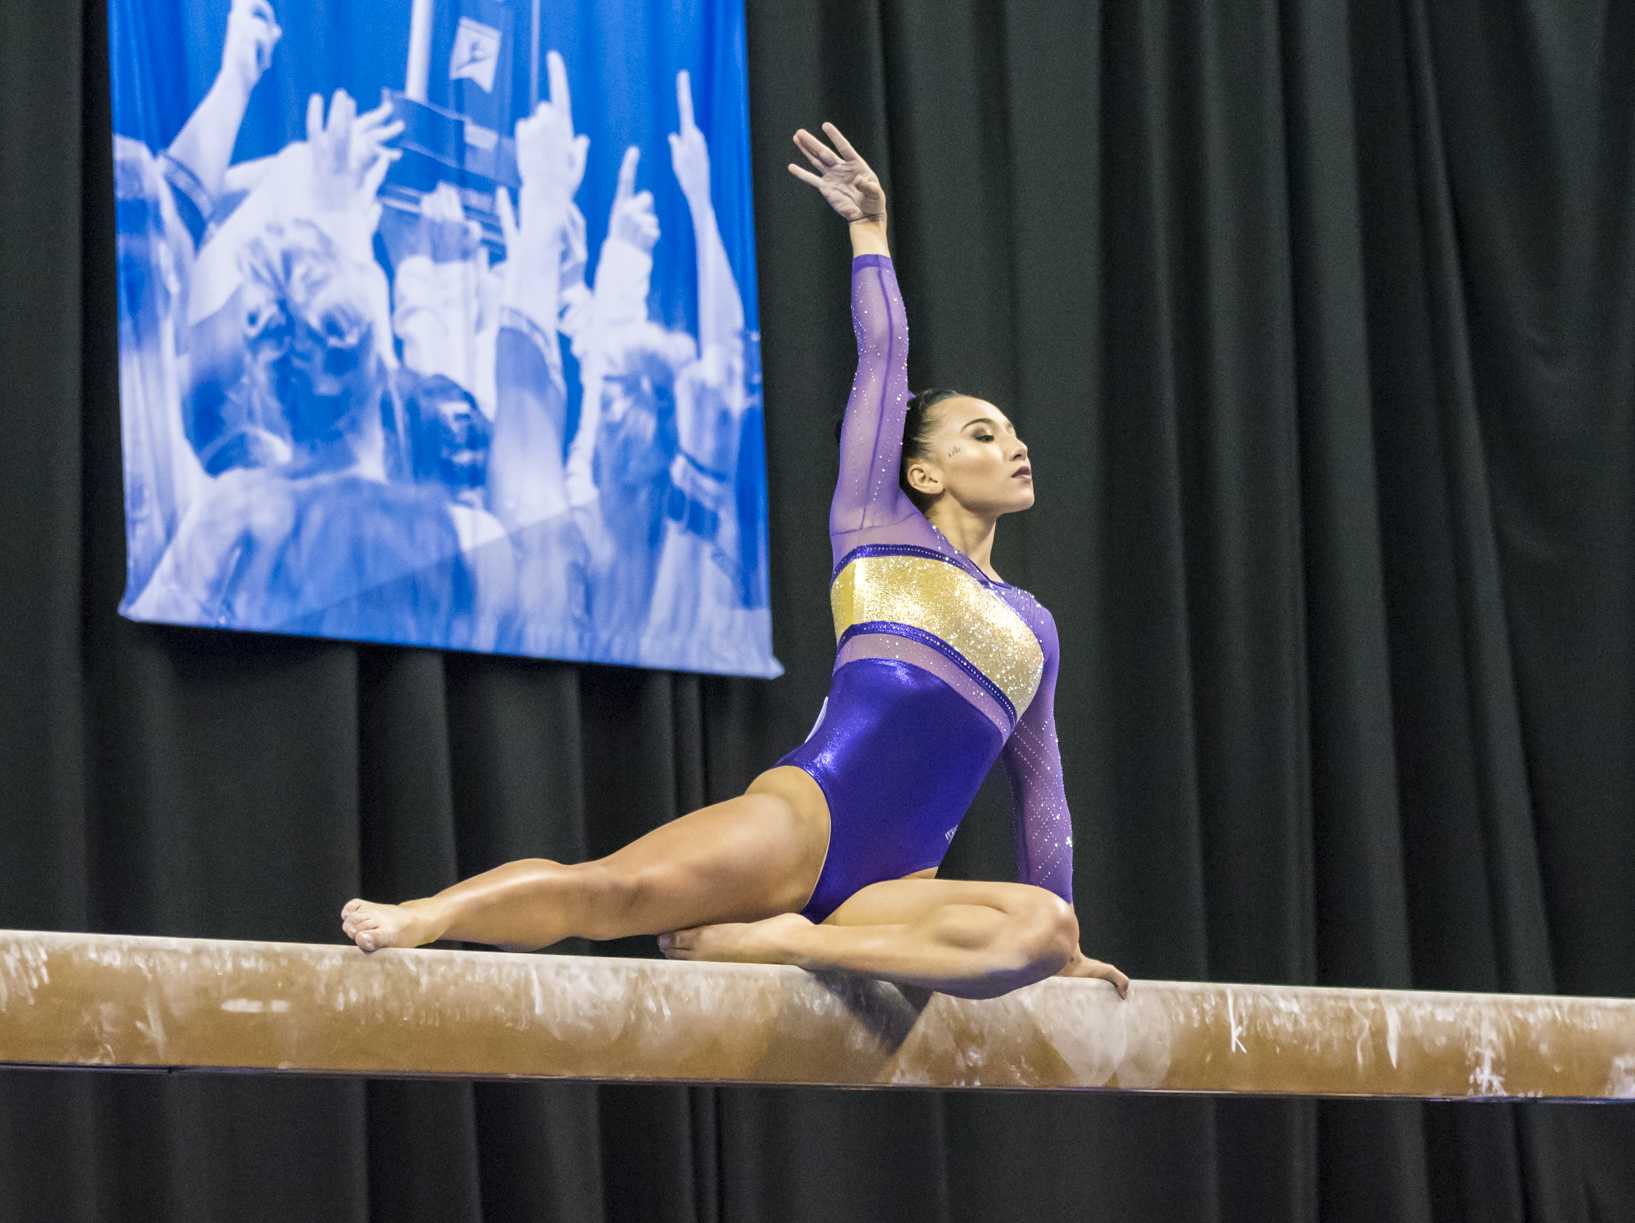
1320,321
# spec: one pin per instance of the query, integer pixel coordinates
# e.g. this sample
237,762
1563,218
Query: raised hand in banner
624,269
347,158
702,548
525,485
439,274
196,162
449,236
618,305
720,306
252,33
632,219
550,158
437,230
331,178
689,155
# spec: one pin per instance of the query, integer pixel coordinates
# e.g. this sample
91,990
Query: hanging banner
438,325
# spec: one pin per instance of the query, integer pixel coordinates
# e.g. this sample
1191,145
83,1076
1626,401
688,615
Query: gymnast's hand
1082,965
843,178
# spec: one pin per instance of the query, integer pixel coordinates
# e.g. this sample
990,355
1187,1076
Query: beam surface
118,1001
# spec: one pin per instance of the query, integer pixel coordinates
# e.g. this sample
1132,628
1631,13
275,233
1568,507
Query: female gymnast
828,860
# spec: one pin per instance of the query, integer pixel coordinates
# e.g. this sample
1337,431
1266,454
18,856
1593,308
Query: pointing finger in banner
627,174
375,175
342,110
557,80
684,99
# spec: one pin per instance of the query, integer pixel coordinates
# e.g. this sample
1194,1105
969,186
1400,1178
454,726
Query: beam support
117,1001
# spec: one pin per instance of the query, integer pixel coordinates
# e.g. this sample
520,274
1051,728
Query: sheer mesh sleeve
1033,763
867,493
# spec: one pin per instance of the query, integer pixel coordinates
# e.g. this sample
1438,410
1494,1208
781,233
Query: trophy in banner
461,50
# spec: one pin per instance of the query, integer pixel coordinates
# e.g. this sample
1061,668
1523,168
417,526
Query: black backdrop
1319,319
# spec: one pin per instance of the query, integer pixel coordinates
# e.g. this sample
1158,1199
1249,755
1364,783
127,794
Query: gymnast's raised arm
867,493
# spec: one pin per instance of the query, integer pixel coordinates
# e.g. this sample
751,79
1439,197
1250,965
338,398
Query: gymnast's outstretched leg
736,861
974,940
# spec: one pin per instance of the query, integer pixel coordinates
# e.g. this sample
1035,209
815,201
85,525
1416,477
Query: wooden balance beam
114,1001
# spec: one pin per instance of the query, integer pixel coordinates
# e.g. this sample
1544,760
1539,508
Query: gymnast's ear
922,478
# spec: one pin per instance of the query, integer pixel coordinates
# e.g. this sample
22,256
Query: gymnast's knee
609,893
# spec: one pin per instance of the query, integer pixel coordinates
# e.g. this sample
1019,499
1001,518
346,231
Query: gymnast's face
975,457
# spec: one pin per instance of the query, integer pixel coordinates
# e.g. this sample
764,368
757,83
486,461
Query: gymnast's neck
970,532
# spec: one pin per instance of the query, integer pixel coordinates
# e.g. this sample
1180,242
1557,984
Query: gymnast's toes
677,944
770,941
373,926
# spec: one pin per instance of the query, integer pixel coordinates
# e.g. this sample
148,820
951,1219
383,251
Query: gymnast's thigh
801,792
799,789
743,859
900,902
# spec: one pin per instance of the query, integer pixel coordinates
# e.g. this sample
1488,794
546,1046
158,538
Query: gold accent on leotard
942,599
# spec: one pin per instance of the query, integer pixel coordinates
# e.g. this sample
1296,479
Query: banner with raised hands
437,325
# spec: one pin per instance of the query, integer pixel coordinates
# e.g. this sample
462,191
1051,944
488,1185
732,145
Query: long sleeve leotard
939,670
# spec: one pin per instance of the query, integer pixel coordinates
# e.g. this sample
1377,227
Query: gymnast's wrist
868,235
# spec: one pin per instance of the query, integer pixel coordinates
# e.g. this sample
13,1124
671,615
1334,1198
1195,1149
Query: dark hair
422,444
916,433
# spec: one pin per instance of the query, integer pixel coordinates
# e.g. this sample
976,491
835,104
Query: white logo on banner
476,54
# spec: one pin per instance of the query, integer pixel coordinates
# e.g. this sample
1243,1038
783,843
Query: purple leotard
939,670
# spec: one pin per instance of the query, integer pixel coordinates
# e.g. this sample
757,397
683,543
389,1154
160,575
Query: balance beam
163,1004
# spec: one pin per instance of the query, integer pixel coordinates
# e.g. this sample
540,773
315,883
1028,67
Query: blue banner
438,325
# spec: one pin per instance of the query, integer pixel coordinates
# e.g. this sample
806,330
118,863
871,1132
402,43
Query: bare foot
373,926
758,942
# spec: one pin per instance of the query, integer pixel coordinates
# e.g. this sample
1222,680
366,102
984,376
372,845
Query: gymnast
828,860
